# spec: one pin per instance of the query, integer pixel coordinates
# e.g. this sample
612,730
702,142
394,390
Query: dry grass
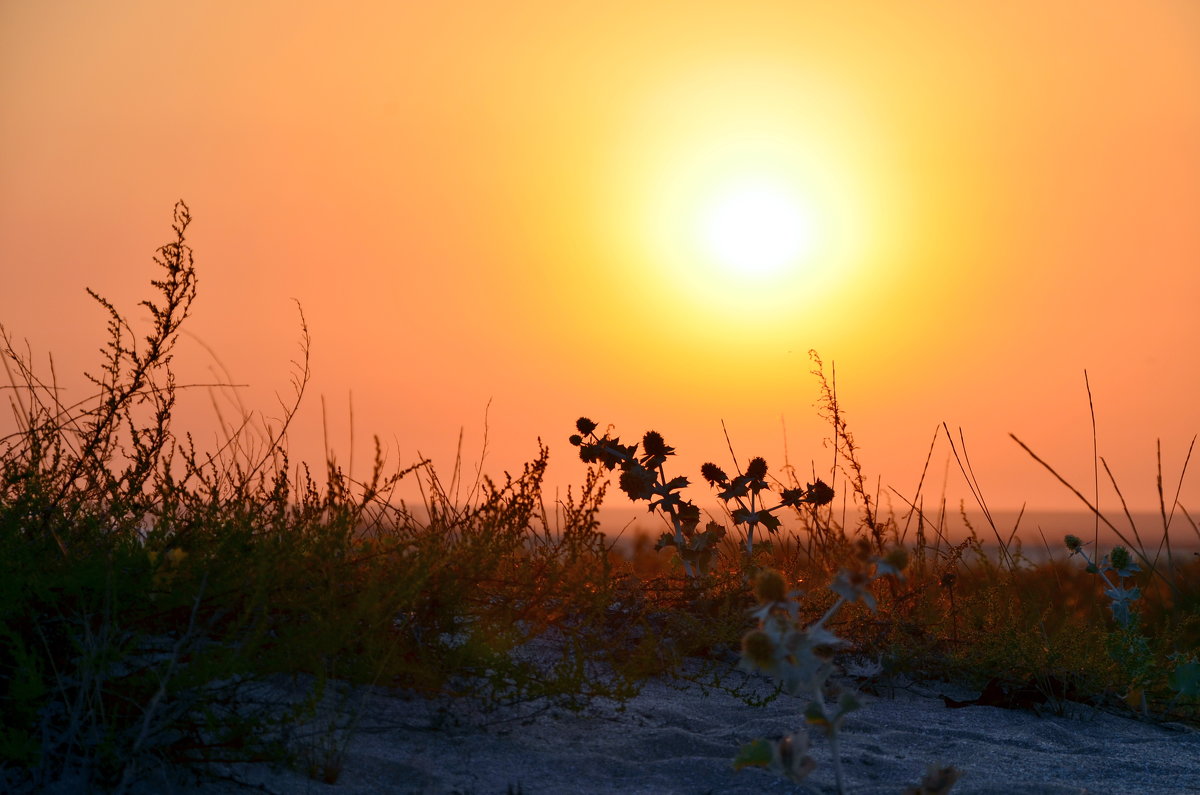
150,590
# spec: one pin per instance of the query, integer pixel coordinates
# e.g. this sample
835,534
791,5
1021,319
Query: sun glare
734,202
756,227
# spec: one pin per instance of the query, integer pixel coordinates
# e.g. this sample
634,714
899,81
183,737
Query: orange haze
480,203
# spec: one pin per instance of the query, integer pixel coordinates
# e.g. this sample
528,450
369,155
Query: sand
678,737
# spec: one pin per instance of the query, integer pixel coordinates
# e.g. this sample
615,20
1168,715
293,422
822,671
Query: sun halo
756,227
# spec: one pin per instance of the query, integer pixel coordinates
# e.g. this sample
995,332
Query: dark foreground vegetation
156,600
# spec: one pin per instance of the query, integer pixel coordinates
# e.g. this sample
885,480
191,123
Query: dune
679,738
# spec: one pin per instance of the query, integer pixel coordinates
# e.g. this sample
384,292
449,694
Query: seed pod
769,586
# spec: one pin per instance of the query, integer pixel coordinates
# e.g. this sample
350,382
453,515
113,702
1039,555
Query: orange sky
481,202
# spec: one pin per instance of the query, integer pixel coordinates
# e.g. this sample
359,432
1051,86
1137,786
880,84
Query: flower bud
1119,558
758,648
769,586
713,474
654,444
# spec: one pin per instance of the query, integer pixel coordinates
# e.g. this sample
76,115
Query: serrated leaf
736,488
742,515
819,636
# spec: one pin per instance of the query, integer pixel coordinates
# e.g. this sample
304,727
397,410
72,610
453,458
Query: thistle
801,660
644,478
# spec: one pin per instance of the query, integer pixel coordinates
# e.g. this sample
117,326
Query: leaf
791,498
736,488
677,483
819,636
668,503
1185,679
756,754
743,515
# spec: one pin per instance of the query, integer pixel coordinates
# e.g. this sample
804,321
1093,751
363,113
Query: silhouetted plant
154,597
746,491
643,478
1128,645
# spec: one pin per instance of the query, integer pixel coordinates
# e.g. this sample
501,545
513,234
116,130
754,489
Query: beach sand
679,738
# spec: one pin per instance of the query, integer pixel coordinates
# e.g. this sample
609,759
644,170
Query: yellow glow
757,226
740,203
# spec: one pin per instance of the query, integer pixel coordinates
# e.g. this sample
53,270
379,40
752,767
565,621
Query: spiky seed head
757,468
575,439
758,648
769,587
819,493
713,474
654,444
1119,558
948,579
897,558
584,425
1073,543
637,482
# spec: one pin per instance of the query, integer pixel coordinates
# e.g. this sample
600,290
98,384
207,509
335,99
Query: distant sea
1036,530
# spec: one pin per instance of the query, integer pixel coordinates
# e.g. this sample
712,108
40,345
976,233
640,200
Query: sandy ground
681,738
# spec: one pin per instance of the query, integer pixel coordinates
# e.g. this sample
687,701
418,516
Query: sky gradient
488,210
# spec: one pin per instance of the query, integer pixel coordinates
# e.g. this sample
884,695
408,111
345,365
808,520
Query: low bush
164,608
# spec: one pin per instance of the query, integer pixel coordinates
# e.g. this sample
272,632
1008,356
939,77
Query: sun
756,226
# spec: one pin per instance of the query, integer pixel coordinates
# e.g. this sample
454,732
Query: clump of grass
165,607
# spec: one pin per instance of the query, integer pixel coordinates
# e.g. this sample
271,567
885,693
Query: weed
801,660
165,607
154,598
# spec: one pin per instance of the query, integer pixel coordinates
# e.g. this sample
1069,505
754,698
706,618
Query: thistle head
1073,543
713,474
758,649
584,425
819,493
757,468
637,482
654,444
769,586
1119,558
